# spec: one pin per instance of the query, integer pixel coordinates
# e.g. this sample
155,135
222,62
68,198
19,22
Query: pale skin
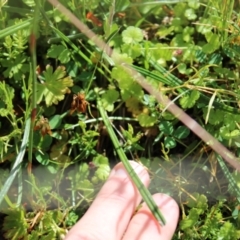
112,214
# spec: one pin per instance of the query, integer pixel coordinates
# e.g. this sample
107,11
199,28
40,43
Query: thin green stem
33,37
101,119
147,197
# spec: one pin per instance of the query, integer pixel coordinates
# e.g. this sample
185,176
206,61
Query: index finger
111,211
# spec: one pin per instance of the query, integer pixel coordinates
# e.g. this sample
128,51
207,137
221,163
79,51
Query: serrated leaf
133,90
33,236
87,187
55,86
102,172
190,220
189,100
3,112
6,96
83,171
227,232
15,225
103,169
129,88
161,51
228,134
100,159
109,97
132,35
16,68
132,51
134,106
122,76
146,121
71,218
119,58
200,202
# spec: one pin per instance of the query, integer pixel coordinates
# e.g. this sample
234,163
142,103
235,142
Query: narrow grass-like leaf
229,177
173,81
32,41
17,164
147,197
210,106
14,28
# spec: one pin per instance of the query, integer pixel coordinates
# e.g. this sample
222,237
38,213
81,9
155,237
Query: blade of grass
229,177
147,197
17,164
32,42
22,11
210,106
14,28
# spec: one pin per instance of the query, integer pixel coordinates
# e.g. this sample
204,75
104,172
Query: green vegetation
60,94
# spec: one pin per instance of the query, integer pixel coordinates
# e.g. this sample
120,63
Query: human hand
111,215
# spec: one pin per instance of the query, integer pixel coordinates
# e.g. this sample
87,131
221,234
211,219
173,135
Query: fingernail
119,170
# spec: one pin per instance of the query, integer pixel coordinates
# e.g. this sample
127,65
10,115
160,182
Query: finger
144,226
111,211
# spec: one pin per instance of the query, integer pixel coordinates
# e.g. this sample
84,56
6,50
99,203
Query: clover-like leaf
161,51
86,187
215,116
60,52
181,132
132,35
189,100
119,58
132,51
146,121
126,83
55,85
195,4
103,169
102,172
109,98
213,43
134,106
169,142
190,14
166,127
